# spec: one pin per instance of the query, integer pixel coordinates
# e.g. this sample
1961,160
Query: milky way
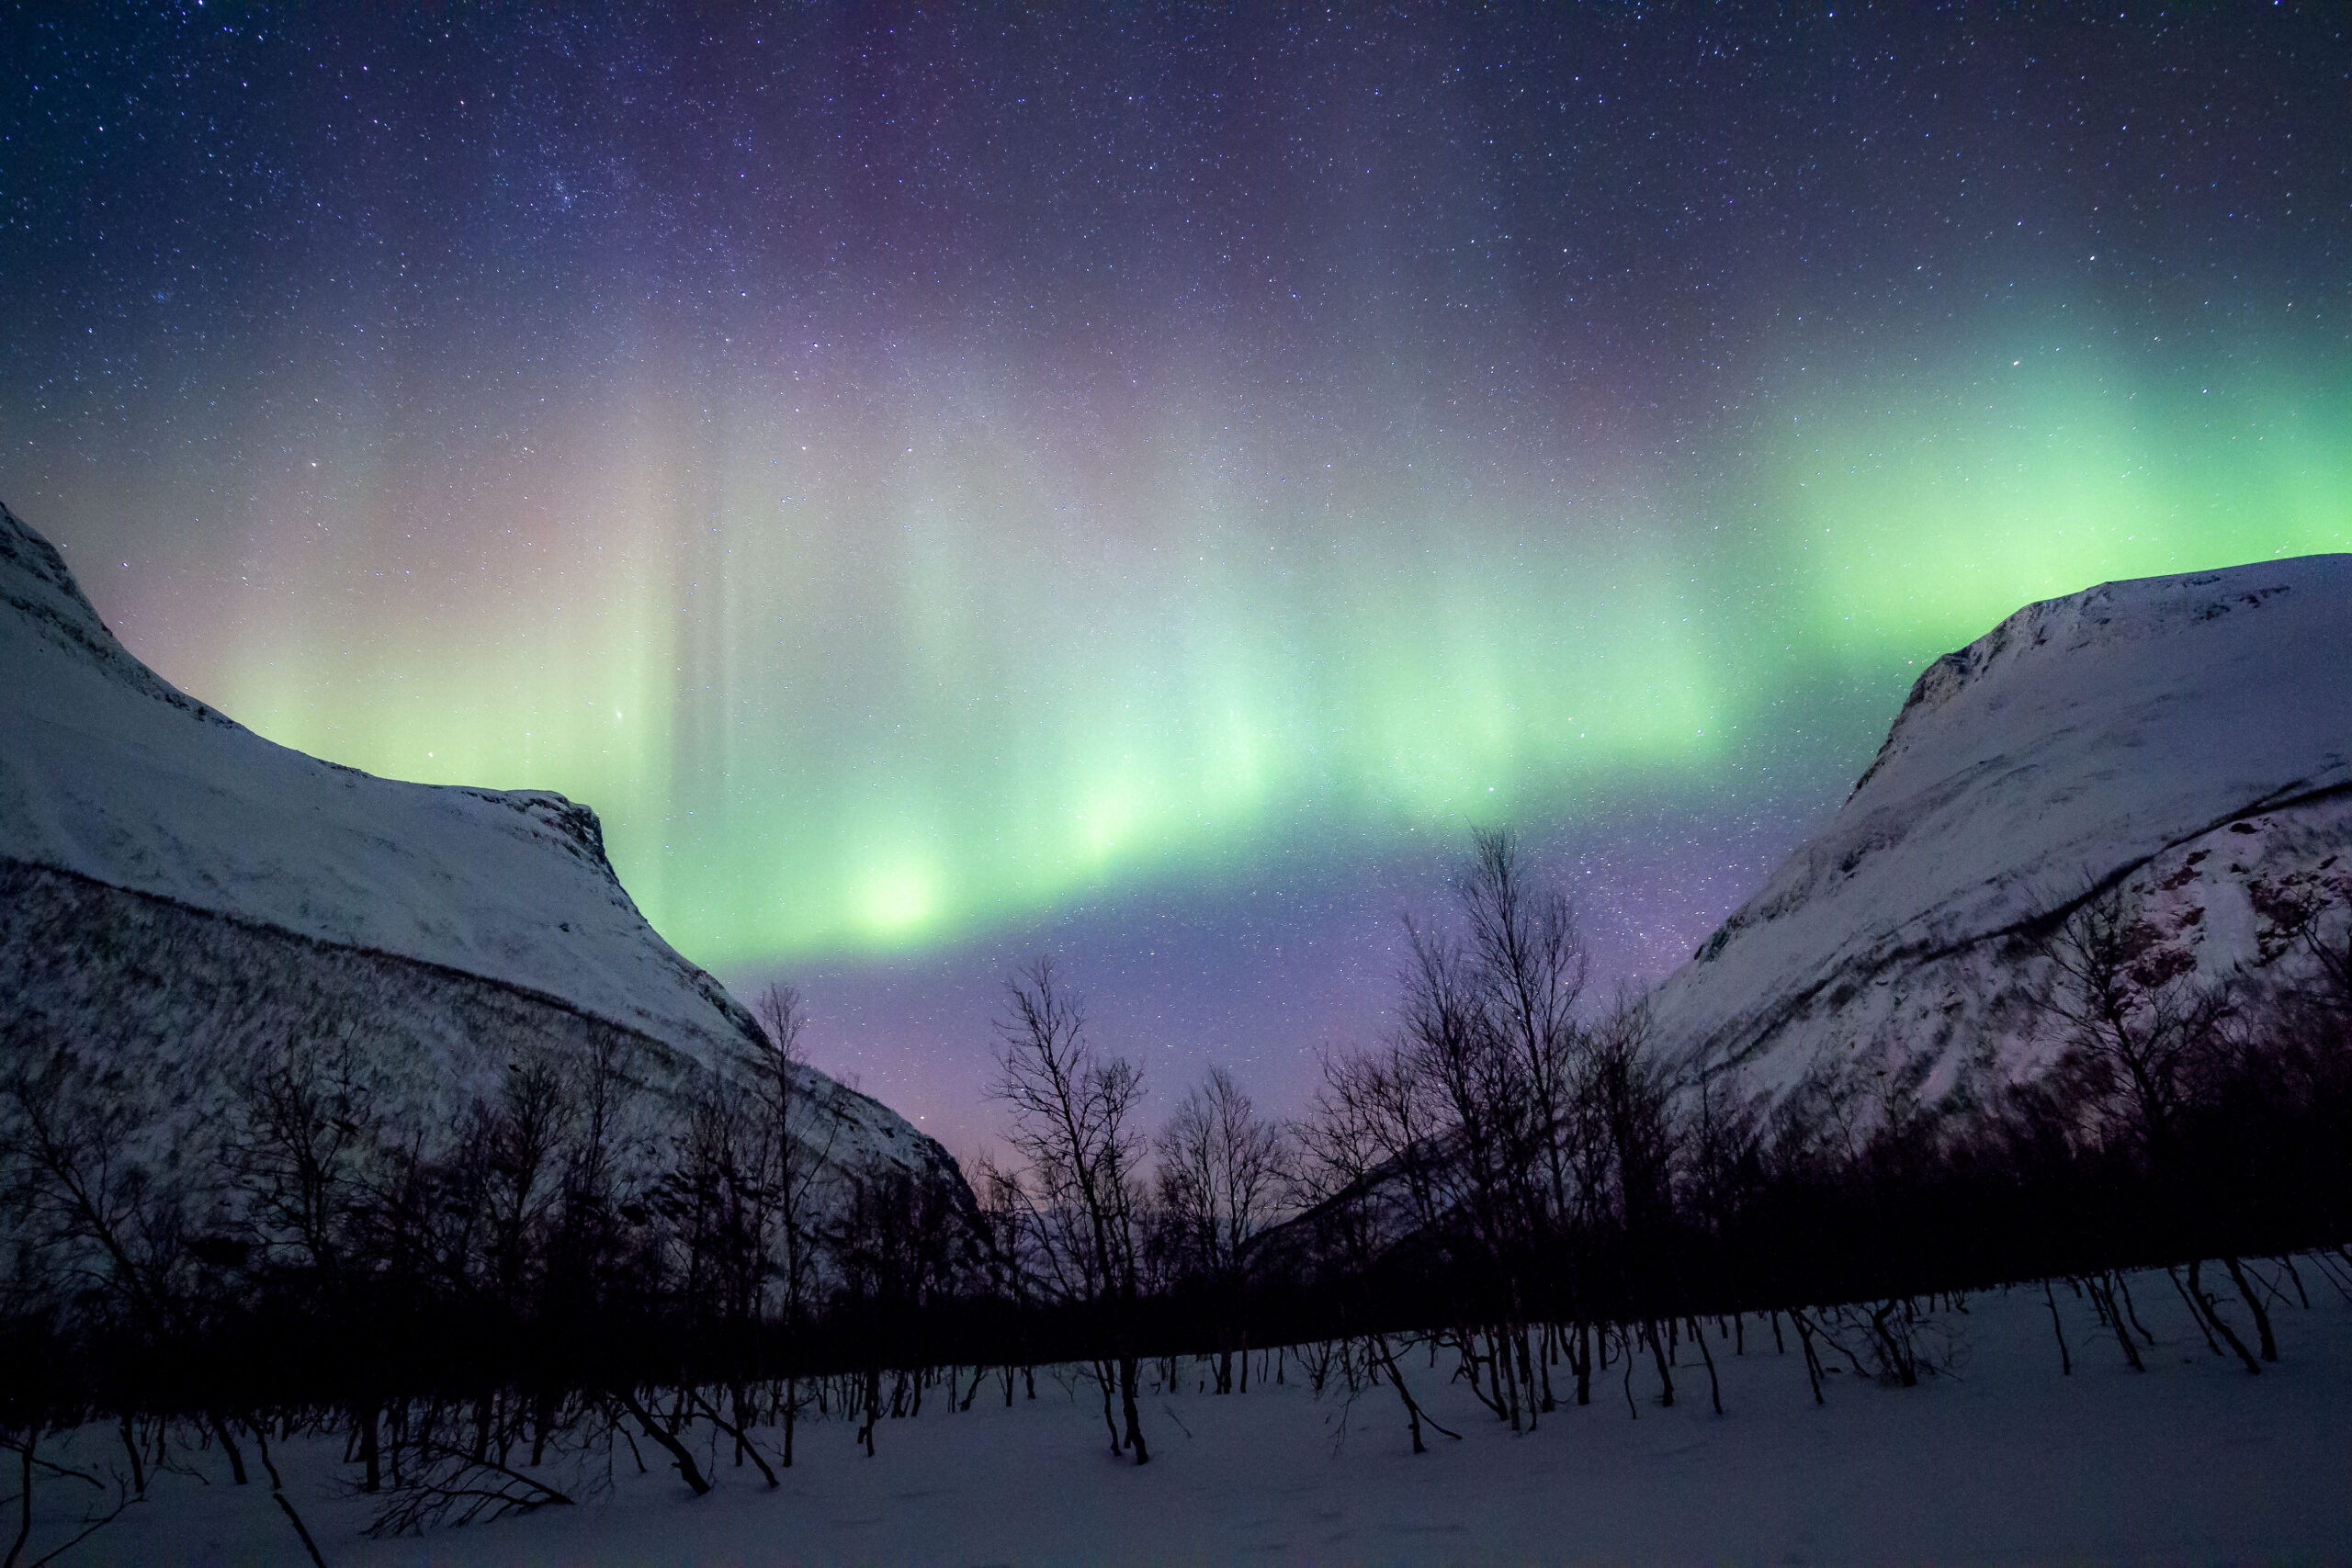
1141,486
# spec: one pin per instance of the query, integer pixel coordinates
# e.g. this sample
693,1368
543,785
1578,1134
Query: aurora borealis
1143,481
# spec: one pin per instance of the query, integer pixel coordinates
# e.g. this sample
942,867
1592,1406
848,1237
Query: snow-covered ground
2008,1461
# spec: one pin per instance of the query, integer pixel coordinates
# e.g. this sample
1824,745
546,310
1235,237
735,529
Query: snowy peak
219,887
39,596
2111,615
2098,738
106,779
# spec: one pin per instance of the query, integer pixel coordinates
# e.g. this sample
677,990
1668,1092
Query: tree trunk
1812,1361
228,1447
131,1446
1127,1399
2065,1361
743,1444
2105,1288
370,1451
2294,1274
25,1494
678,1452
2204,1304
1714,1389
1414,1416
2123,1286
873,1407
1500,1345
2253,1304
1103,1375
2195,1313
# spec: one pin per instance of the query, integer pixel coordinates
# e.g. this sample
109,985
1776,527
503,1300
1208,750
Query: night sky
1141,485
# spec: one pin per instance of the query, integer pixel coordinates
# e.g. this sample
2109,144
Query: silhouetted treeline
1518,1190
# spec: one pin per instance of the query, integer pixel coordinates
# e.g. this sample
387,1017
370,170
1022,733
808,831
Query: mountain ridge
301,889
2110,738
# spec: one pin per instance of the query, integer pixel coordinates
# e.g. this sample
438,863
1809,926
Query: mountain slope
2188,737
176,891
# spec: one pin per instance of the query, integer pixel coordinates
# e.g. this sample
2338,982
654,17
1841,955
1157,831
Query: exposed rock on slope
176,892
2189,738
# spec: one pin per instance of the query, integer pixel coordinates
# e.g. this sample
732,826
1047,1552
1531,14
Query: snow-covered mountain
2188,737
176,892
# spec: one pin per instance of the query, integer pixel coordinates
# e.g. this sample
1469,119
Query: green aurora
870,700
940,480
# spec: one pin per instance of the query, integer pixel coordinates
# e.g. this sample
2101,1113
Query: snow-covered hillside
174,887
2190,736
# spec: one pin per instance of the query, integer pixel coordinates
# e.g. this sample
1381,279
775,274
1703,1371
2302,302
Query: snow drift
2188,737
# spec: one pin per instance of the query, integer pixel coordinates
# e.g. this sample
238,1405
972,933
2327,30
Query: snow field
2004,1460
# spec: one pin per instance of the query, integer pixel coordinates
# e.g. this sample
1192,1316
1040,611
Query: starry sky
1140,483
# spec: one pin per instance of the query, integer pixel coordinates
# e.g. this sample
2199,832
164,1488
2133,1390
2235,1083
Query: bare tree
1221,1168
1531,967
523,1136
2318,920
301,1134
306,1129
2138,1030
720,1204
1003,1244
94,1210
1486,1195
1073,1123
1625,1148
1370,1168
2136,1022
800,1142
